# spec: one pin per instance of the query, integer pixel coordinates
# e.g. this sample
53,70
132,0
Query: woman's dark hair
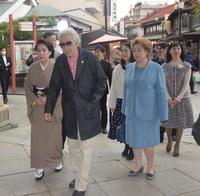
131,59
101,48
173,45
48,34
47,44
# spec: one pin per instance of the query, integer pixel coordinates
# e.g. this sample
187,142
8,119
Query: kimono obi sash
40,91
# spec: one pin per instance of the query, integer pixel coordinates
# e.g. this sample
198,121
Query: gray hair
74,34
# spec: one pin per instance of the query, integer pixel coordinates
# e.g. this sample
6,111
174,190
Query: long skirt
115,120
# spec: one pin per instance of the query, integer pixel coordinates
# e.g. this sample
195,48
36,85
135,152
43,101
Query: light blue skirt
141,133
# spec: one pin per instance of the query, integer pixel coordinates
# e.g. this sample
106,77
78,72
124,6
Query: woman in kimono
177,74
46,138
144,105
116,96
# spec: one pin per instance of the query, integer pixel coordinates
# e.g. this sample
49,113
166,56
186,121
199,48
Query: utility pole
106,14
180,6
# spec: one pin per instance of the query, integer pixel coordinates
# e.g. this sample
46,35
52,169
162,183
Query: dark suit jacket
80,97
3,67
108,72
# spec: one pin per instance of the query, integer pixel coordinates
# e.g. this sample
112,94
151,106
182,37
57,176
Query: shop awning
107,38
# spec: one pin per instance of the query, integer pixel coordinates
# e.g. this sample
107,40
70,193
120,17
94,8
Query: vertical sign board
23,49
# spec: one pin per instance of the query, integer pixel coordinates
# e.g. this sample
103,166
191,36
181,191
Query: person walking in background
189,59
116,96
81,78
46,138
51,37
100,53
177,74
144,105
5,73
160,59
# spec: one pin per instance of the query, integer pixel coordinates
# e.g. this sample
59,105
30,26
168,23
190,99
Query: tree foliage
195,7
18,35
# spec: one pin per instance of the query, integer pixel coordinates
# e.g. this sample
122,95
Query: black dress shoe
130,155
72,184
193,92
125,152
104,131
78,193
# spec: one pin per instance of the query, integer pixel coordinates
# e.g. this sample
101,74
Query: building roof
158,14
6,5
45,10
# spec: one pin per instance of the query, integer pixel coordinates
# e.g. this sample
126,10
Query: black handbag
120,131
196,131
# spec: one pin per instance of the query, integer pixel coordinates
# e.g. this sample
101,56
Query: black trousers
162,131
4,79
104,115
191,83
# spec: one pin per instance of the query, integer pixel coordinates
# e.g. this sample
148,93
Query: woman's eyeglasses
63,44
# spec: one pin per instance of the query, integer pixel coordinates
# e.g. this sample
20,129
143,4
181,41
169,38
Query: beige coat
46,137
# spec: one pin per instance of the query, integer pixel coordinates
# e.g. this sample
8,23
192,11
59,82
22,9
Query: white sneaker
39,173
59,167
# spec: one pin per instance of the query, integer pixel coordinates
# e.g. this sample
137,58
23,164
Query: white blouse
117,86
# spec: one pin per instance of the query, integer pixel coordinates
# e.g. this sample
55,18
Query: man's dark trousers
104,115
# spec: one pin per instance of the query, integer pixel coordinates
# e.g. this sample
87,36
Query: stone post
4,113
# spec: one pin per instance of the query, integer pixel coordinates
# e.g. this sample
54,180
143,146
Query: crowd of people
67,92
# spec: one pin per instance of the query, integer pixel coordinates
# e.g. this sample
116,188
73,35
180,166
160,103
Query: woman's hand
112,110
175,102
170,101
39,101
43,100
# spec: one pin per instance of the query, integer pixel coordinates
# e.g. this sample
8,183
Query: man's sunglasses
62,44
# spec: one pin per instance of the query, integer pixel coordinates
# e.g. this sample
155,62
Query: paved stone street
108,174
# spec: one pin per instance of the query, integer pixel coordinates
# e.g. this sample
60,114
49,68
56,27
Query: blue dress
144,132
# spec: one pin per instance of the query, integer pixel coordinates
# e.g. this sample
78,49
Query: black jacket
108,72
80,97
3,67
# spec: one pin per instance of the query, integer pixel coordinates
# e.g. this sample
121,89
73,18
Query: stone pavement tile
106,149
101,171
27,149
173,182
62,192
12,153
92,190
195,193
38,194
130,186
60,180
14,166
20,184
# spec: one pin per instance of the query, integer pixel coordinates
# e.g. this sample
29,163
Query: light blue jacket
147,100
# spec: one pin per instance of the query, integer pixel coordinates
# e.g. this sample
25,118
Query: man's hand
47,117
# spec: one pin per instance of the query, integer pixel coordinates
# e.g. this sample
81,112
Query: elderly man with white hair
79,75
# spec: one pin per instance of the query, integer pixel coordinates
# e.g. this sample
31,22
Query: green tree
195,7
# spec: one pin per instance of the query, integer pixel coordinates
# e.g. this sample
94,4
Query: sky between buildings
124,5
